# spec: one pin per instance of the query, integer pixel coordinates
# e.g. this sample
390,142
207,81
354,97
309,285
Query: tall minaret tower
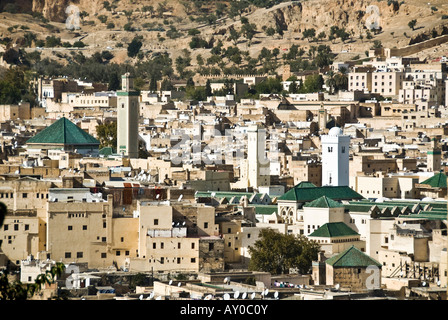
335,158
434,157
127,118
258,165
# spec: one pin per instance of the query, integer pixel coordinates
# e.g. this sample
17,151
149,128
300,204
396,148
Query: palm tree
331,82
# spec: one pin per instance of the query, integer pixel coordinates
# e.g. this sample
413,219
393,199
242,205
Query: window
126,252
122,239
330,149
156,222
103,255
192,245
343,149
104,224
205,225
117,253
16,227
162,260
68,255
154,246
5,227
79,255
178,245
70,228
24,195
84,227
211,246
193,260
178,260
27,227
103,239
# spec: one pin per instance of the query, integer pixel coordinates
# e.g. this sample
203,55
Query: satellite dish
236,295
226,280
171,282
141,297
266,292
244,295
424,283
252,296
337,286
159,298
180,197
439,283
209,297
226,296
179,284
151,295
276,295
157,196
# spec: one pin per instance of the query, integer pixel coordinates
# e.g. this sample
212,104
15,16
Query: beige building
14,112
385,186
181,238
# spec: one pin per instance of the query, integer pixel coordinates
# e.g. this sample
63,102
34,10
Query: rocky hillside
292,18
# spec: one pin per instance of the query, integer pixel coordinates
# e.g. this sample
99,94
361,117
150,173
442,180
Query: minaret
434,157
323,118
335,158
257,164
127,118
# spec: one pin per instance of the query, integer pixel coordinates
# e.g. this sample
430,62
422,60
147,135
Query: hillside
292,18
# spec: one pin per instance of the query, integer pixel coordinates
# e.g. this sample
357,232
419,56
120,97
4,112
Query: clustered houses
190,184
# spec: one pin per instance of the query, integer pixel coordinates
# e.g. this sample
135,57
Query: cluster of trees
279,253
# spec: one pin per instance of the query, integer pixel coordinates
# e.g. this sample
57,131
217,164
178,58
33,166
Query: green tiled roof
352,257
436,181
305,194
334,229
264,208
324,202
65,132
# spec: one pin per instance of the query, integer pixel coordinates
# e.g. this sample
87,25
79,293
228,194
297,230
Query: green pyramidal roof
324,202
436,181
63,131
334,229
352,257
305,193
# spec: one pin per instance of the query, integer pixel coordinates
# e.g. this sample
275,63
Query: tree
208,88
249,30
412,23
114,82
107,134
134,47
277,253
309,33
234,35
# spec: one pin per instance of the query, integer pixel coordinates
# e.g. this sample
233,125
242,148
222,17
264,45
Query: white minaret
335,158
127,118
258,166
